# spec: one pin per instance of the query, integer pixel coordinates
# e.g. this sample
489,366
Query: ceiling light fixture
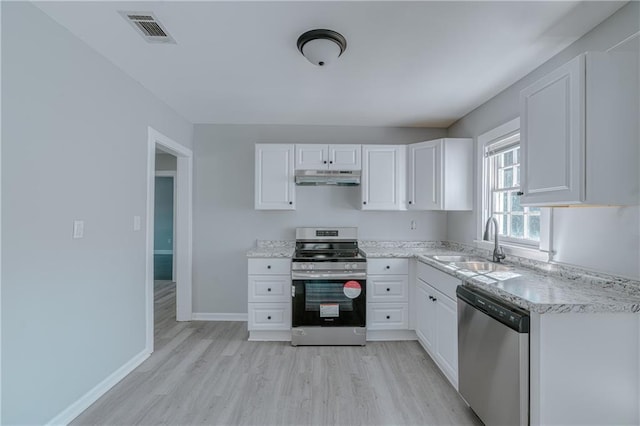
321,47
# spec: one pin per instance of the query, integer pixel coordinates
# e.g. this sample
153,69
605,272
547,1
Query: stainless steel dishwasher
493,357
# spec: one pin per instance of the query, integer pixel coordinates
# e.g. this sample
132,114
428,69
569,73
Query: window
516,223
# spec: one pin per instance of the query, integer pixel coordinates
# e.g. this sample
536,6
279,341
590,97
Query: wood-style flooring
207,373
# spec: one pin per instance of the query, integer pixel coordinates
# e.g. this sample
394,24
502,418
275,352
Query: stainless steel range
329,274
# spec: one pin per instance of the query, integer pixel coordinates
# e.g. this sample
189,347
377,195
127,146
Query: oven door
329,301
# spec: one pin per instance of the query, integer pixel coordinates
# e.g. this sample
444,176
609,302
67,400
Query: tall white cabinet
440,174
383,181
579,133
274,177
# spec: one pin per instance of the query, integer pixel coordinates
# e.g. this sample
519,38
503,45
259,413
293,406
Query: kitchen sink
449,259
481,267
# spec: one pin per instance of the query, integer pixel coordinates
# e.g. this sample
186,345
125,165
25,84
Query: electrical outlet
413,224
136,223
78,229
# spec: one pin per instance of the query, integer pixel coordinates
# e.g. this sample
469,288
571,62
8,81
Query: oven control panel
328,266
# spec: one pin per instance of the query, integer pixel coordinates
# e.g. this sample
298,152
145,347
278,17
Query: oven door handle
340,276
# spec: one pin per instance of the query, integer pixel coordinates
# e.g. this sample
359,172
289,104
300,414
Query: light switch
78,229
136,223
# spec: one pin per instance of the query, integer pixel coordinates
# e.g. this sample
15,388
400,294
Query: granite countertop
535,286
560,291
272,248
408,249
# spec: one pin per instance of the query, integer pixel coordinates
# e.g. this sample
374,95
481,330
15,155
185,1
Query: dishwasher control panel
508,314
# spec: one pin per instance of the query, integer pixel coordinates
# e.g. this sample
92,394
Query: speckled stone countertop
555,291
536,286
408,249
270,248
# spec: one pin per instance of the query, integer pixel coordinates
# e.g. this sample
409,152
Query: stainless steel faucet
498,253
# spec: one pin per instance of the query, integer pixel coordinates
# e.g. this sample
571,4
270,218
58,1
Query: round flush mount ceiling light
321,47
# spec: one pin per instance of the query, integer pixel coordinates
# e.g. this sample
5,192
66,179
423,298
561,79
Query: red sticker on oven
352,289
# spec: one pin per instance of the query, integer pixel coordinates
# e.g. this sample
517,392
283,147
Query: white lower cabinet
446,336
387,294
425,317
269,316
269,298
387,316
437,322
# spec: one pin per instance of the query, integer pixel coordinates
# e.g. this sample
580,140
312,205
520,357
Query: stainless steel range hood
328,177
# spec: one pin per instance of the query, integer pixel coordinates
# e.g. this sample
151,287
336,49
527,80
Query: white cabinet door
446,335
312,157
387,266
425,317
269,316
269,288
387,288
345,157
440,175
425,175
383,177
552,136
437,328
387,316
579,133
274,177
328,157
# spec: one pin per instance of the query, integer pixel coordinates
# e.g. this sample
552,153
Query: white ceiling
406,64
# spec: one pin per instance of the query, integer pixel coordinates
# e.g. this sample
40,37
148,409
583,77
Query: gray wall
600,238
74,146
227,225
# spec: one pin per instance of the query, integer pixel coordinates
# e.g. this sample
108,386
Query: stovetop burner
327,245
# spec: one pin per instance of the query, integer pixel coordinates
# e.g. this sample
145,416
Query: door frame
171,174
183,230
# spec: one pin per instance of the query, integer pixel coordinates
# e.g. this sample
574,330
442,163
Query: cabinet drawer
269,288
269,316
387,266
438,279
269,266
387,288
387,316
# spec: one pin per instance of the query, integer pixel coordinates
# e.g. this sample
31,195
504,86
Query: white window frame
492,150
542,251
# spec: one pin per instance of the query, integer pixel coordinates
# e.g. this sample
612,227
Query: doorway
181,248
163,235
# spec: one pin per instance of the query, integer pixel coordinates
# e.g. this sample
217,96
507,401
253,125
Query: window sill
517,250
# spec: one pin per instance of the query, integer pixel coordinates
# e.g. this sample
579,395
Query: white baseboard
206,316
74,410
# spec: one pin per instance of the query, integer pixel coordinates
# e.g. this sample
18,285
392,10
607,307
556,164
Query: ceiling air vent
148,26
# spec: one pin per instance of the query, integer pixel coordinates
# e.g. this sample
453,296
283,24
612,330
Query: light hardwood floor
208,373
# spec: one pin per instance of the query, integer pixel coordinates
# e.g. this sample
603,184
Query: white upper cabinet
579,133
312,157
383,177
328,157
440,175
274,177
345,157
